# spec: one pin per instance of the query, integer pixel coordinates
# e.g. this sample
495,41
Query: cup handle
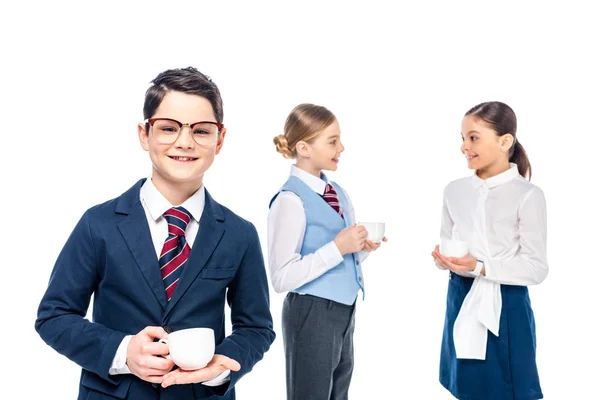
165,341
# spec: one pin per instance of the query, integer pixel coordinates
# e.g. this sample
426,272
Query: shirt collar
316,184
157,204
497,180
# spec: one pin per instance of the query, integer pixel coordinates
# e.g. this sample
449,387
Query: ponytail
502,119
519,157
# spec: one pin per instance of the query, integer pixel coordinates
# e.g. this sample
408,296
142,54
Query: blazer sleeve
61,321
252,325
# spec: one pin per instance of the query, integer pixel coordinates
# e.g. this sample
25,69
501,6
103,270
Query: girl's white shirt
503,219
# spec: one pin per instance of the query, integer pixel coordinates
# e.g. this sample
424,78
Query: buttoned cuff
219,380
488,268
478,267
119,364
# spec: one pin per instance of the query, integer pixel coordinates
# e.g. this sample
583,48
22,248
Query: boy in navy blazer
143,289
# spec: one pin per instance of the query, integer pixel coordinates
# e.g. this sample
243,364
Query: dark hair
187,80
502,119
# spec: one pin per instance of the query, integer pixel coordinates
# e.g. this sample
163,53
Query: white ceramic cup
375,230
453,248
191,349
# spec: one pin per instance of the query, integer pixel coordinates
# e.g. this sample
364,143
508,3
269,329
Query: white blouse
503,219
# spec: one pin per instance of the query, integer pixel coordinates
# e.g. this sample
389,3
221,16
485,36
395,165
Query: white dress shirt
503,219
286,226
155,205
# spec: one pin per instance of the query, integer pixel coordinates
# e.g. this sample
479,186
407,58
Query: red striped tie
332,199
175,251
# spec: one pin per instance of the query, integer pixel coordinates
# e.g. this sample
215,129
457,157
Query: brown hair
502,119
304,123
187,80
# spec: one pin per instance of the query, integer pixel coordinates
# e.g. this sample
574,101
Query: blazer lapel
209,235
136,234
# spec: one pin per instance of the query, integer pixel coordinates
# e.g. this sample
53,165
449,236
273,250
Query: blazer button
357,262
168,329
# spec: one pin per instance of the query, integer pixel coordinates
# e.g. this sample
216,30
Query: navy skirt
509,371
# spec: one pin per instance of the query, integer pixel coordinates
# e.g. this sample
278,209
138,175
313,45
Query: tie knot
331,198
329,189
177,218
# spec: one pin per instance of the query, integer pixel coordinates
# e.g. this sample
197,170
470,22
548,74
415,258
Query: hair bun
281,145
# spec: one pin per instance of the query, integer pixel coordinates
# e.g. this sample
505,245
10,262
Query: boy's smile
183,159
180,164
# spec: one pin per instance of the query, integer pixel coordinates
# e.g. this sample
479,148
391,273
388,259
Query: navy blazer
110,254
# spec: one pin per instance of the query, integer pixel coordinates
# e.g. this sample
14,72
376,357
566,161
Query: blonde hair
304,123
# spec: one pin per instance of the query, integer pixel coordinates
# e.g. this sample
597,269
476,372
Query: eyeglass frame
150,123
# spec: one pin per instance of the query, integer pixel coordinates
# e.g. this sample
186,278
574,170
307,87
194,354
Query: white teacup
191,349
375,230
453,248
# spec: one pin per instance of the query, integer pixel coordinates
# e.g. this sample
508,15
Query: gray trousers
319,348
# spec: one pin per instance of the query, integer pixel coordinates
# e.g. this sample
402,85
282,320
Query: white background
399,78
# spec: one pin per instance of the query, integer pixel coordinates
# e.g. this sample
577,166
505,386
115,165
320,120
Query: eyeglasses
167,130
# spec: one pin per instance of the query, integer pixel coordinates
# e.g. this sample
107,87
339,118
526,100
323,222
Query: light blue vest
342,282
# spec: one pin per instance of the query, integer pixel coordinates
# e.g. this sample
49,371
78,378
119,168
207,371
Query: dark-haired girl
489,340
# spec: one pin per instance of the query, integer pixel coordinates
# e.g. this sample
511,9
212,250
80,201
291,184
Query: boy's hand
142,354
215,367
